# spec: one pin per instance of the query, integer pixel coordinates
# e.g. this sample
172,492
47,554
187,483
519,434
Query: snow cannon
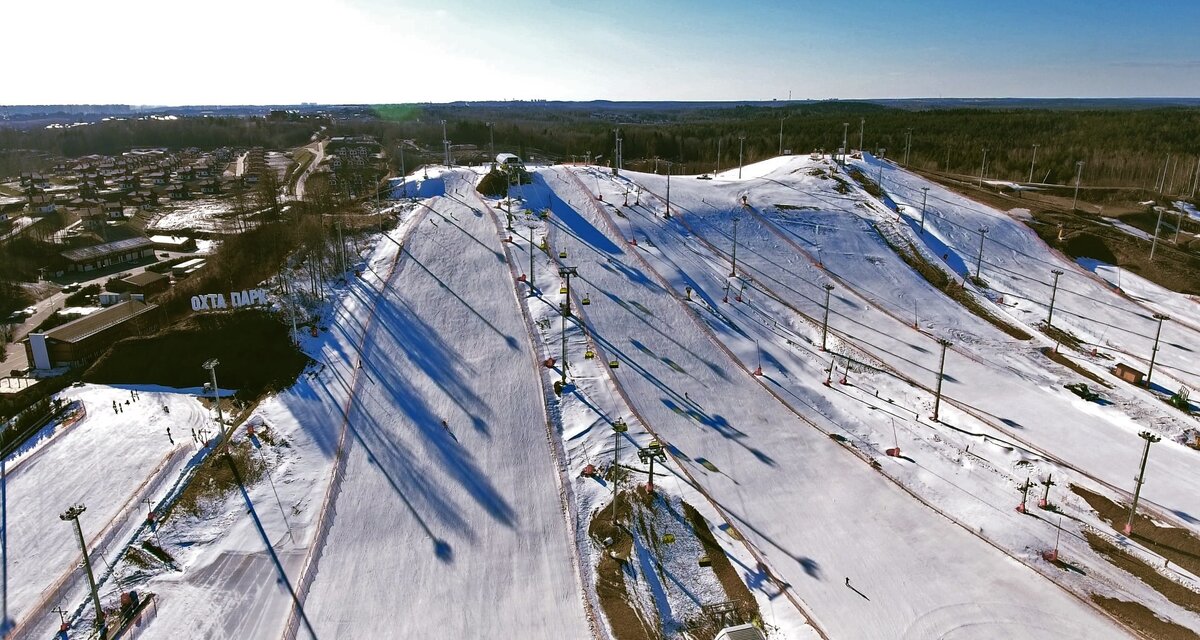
589,471
508,239
250,429
562,254
549,362
522,278
1050,555
758,370
633,241
1021,508
894,452
313,331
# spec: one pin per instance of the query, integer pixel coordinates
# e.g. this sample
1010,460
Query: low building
1128,374
148,283
78,341
173,243
108,254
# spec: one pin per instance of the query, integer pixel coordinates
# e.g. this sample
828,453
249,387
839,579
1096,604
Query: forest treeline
1119,147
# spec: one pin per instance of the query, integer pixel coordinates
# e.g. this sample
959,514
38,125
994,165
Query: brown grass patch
626,622
727,575
1141,619
1175,544
1172,590
1070,364
938,278
215,479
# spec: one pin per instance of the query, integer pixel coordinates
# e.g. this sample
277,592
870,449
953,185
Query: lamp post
1154,242
72,515
862,127
667,215
937,397
1053,293
825,322
492,141
733,259
445,145
845,140
979,259
718,165
1150,439
781,119
1154,351
907,144
1078,175
741,143
982,167
1032,162
924,199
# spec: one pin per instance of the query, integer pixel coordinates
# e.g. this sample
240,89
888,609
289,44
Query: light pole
211,365
937,397
1053,293
741,143
492,141
616,168
845,136
781,119
1032,162
862,127
72,514
907,145
445,145
1078,175
924,199
564,349
718,166
531,287
1154,242
979,260
667,215
733,259
1150,439
1154,350
982,166
825,322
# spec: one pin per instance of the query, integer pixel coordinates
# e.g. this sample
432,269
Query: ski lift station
508,160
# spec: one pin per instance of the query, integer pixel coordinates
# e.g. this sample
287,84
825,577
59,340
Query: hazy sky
349,51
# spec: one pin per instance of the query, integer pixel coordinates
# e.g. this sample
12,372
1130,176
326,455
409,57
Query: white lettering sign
237,299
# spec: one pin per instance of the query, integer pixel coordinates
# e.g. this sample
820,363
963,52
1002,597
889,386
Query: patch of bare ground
1172,590
735,590
1175,544
215,479
1049,352
938,278
624,619
1142,620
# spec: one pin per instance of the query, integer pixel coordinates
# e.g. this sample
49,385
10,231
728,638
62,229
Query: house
108,254
178,192
210,186
173,243
147,283
42,203
77,341
1128,374
114,210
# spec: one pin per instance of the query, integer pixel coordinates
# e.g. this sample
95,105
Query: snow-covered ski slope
867,559
454,531
108,462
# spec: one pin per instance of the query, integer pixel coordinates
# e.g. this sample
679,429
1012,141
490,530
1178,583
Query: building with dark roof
77,341
108,254
147,282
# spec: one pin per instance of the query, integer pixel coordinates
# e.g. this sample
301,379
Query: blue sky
271,51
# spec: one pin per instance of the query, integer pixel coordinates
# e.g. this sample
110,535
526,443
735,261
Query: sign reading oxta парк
236,299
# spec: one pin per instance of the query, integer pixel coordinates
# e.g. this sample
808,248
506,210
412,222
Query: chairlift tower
211,365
